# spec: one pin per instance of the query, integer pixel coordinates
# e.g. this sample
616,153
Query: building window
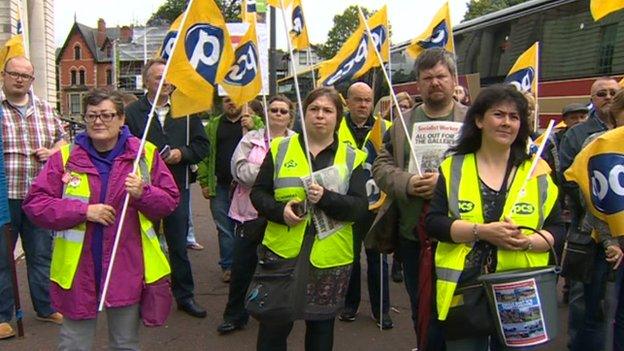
608,35
109,77
77,52
82,77
75,104
303,58
74,79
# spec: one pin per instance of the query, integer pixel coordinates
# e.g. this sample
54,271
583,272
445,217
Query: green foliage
344,25
477,8
171,9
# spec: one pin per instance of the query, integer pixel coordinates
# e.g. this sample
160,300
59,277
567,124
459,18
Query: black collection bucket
524,305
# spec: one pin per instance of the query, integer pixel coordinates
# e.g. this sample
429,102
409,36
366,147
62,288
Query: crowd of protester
66,198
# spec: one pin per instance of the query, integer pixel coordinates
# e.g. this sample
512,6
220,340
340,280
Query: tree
171,9
344,25
477,8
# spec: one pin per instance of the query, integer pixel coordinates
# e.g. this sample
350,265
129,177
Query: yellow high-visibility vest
68,244
291,165
464,199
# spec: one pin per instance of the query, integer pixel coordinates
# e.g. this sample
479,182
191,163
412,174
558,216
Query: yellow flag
601,8
248,11
243,81
438,35
172,33
378,24
299,31
278,3
523,73
599,172
13,47
201,59
356,57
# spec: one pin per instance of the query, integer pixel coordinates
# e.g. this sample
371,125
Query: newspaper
431,140
330,179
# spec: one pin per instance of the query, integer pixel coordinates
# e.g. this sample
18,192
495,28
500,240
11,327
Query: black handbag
578,256
271,294
471,316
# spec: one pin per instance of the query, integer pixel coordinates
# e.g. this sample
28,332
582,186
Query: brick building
85,61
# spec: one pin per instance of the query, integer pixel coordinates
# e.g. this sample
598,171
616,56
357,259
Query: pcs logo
168,44
523,208
204,45
522,79
465,206
606,172
297,21
351,64
438,39
290,164
245,69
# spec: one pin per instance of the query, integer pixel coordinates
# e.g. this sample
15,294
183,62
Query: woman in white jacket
245,165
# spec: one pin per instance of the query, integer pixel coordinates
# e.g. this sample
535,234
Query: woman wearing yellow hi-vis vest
80,194
476,211
303,266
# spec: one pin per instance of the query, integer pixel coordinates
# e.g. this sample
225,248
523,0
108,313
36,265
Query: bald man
31,132
355,130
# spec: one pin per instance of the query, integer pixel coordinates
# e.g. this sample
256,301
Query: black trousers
352,299
176,230
319,336
248,237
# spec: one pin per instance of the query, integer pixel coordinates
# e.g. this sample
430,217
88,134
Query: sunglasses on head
604,93
280,110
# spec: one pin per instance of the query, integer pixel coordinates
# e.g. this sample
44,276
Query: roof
132,51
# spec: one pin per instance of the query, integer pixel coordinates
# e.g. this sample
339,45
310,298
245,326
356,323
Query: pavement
183,332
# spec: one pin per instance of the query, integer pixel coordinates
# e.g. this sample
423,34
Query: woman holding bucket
477,209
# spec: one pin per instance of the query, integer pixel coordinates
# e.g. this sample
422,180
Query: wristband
530,246
475,232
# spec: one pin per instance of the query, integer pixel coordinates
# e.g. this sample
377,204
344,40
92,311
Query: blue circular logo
245,68
204,45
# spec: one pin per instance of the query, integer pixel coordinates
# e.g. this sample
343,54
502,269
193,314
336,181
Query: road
187,333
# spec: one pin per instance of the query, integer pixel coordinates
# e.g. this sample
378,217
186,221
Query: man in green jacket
214,174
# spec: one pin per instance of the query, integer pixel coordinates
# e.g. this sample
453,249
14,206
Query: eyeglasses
104,117
16,75
280,110
604,93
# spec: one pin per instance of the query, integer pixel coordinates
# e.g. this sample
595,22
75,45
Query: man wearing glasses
602,93
31,132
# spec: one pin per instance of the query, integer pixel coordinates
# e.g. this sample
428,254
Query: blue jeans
219,207
591,332
37,244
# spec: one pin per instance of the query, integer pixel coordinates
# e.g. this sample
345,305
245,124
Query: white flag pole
299,104
393,95
135,165
262,92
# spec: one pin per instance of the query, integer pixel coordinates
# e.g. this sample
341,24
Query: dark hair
470,135
431,57
332,94
257,108
96,96
149,65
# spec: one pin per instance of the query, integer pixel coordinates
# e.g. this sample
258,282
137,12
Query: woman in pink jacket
80,194
245,166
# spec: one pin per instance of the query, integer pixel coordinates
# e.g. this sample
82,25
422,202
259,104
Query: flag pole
262,92
392,94
299,104
135,164
536,160
536,112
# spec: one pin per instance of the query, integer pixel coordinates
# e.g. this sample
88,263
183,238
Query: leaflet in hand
330,179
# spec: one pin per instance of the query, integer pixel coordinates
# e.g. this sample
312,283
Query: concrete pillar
38,53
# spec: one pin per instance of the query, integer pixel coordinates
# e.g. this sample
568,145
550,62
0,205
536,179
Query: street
183,332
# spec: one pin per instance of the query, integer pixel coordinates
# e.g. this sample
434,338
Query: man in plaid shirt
31,132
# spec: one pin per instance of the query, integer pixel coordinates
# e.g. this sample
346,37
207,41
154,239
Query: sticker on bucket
520,313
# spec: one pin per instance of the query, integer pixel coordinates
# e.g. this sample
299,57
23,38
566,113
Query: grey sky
407,17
